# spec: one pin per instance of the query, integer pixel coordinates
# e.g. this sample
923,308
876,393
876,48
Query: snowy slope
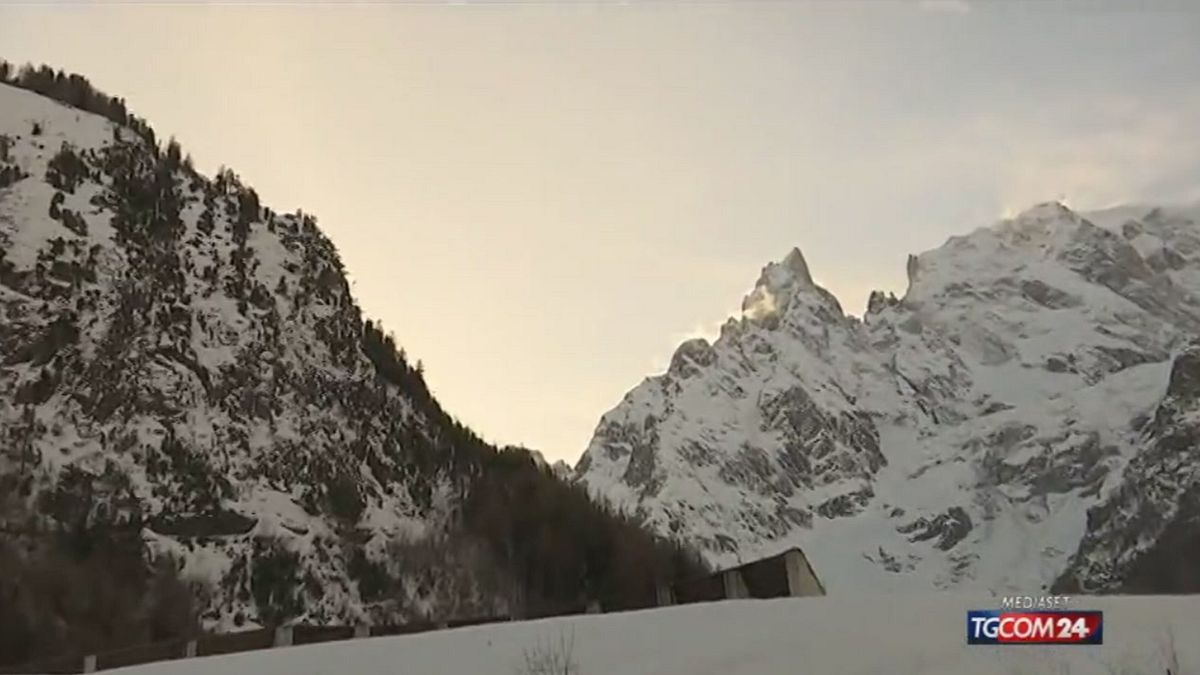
952,438
182,363
908,635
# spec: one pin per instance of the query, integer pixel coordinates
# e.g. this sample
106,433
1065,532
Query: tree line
76,91
71,590
563,547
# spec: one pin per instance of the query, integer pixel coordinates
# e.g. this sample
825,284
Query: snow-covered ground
894,634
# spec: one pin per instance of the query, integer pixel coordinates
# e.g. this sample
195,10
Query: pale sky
542,200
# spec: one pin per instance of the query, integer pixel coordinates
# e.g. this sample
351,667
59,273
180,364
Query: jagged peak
878,301
778,283
791,271
794,262
1054,210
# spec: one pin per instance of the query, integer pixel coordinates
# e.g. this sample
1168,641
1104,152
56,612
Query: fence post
283,636
190,649
362,631
89,663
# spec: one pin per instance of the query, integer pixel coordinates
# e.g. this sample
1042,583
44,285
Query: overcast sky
542,200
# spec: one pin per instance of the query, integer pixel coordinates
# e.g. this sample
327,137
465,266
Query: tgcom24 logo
1035,620
1051,627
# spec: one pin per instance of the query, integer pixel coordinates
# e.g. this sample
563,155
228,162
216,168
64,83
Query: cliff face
1001,425
1145,536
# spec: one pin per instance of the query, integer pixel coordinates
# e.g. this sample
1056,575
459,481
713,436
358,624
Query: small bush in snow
553,657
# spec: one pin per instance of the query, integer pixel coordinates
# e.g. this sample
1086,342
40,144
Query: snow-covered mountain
185,371
1027,411
179,357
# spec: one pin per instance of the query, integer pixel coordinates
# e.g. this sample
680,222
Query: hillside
1142,636
1023,417
185,380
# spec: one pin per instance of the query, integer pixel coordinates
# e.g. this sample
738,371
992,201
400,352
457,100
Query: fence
786,574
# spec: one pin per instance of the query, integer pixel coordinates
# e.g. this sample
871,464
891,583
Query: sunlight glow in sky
541,200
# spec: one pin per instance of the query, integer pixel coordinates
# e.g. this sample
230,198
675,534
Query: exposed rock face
691,357
947,528
1002,425
1137,537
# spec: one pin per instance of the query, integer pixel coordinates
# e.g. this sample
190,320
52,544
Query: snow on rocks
954,438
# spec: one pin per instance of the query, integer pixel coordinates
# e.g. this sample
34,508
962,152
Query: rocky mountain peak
1044,228
969,435
794,263
877,301
786,284
1045,212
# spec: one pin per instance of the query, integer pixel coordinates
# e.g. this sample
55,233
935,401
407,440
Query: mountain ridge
920,444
